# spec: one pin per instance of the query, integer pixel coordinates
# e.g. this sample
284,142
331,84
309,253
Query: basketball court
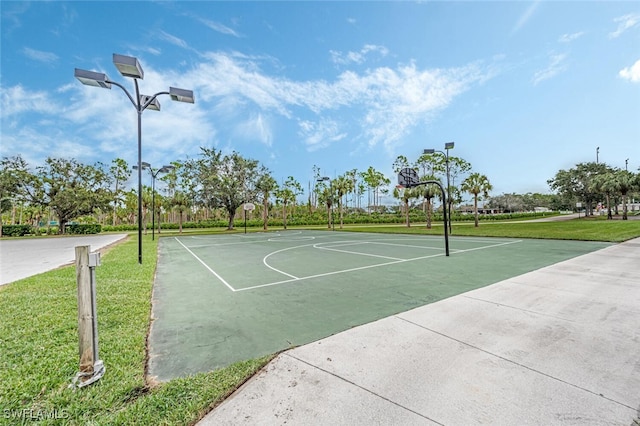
226,298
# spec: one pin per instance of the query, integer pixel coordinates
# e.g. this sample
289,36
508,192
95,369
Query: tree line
216,184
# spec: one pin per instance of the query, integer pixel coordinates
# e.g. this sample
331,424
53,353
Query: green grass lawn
39,351
583,230
39,335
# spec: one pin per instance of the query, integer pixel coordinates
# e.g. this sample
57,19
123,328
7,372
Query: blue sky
523,88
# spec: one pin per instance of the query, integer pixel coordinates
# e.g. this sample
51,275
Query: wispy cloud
320,134
568,38
173,40
357,57
631,73
524,18
625,22
389,102
555,67
40,56
218,27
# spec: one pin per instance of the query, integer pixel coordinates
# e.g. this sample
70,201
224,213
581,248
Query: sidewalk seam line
363,388
515,363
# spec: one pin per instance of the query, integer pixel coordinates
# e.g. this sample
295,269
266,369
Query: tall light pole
597,154
447,147
154,174
130,67
626,165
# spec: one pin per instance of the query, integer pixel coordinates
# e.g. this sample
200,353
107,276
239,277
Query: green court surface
219,299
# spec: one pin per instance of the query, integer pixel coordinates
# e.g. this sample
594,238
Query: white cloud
40,56
625,22
173,40
17,100
320,134
256,127
524,18
631,73
218,27
568,38
357,57
555,67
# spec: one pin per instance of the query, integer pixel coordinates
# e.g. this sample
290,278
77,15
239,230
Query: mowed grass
577,229
39,351
39,335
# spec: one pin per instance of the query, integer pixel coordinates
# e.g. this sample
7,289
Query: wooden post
85,310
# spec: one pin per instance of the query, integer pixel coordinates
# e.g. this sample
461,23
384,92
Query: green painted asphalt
222,299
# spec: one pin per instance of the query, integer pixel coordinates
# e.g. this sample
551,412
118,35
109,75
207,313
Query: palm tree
405,194
429,192
342,185
605,183
180,202
266,185
477,184
625,181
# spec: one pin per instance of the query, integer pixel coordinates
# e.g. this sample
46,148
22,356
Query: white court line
367,267
264,260
356,252
206,266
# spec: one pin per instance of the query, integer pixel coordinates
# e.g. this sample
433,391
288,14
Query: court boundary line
315,245
367,266
206,266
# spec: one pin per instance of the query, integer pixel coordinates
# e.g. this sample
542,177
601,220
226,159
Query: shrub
80,229
16,230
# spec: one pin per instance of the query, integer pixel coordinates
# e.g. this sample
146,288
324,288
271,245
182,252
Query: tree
69,188
428,192
405,194
119,172
13,174
625,184
341,185
287,193
476,184
225,181
374,180
326,196
576,182
266,186
180,202
606,184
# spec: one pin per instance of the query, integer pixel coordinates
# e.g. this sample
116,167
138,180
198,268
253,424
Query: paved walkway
21,258
560,345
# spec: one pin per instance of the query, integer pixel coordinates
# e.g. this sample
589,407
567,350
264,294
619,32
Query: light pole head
166,169
91,78
449,145
429,151
128,66
153,105
181,95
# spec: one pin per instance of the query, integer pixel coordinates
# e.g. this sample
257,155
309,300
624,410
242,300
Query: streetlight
330,216
626,164
130,67
447,147
597,154
154,174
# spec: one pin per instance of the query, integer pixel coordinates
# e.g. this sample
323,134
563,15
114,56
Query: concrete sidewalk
560,345
22,258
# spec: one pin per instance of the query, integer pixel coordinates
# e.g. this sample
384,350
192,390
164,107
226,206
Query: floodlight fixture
91,78
166,169
153,105
181,95
449,145
429,151
128,66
